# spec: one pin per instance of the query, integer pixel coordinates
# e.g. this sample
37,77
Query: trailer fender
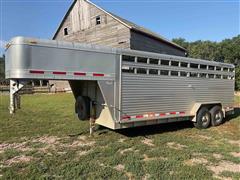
198,105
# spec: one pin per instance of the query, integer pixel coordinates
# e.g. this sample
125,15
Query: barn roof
125,22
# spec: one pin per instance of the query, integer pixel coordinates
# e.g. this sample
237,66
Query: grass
237,100
45,140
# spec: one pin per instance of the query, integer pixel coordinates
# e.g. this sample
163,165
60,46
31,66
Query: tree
227,51
2,67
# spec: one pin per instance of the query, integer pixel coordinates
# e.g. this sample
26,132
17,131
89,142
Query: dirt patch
197,154
50,140
222,178
148,142
176,146
129,175
62,152
121,140
81,141
83,153
146,158
195,161
217,156
126,150
234,142
102,165
235,154
146,177
47,143
17,146
119,167
224,166
18,159
204,137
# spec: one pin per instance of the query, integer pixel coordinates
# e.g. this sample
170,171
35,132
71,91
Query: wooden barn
86,22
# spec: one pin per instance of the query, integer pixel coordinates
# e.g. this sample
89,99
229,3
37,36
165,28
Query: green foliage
237,82
227,51
2,68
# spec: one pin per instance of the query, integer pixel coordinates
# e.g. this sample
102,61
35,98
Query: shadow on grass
169,127
235,115
155,129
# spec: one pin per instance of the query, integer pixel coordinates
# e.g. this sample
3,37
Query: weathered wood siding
81,25
145,43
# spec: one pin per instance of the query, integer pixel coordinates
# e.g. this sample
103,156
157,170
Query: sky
193,20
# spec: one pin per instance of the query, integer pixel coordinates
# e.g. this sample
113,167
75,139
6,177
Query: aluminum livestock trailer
125,88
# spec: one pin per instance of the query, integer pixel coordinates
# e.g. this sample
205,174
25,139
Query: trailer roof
89,47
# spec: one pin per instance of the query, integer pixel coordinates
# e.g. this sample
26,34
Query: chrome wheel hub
205,118
218,116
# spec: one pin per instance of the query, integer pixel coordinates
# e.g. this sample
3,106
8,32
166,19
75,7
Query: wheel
203,119
82,107
216,116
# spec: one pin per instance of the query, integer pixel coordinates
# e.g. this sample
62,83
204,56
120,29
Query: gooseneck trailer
125,88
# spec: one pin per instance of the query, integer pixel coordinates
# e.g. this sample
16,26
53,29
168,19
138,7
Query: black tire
82,107
203,119
216,116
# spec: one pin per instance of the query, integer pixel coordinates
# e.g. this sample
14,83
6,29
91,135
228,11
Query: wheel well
209,106
198,106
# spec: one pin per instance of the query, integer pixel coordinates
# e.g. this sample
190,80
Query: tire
216,116
82,107
203,119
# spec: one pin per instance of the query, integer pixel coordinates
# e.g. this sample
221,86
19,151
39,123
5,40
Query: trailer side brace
15,99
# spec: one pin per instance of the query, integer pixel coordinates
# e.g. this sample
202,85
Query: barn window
65,31
98,20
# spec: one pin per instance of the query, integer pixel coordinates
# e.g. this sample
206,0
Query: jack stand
92,126
92,117
15,99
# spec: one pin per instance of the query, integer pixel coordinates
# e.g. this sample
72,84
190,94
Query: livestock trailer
125,88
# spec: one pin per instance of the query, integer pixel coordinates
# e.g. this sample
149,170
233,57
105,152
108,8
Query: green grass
237,100
45,140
